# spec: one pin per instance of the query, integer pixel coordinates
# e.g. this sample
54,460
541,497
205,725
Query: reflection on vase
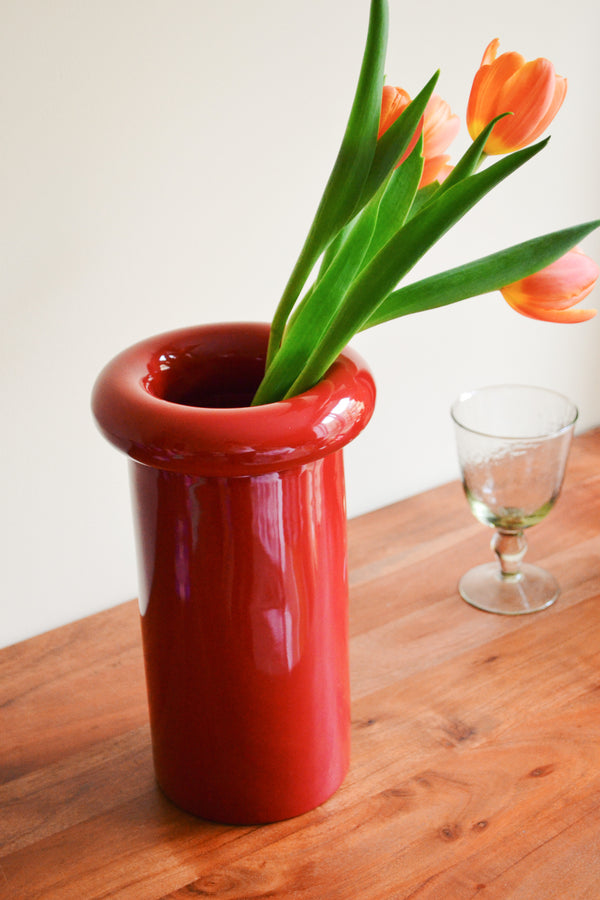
241,530
245,628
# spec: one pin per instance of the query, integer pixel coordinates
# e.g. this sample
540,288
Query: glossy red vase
241,531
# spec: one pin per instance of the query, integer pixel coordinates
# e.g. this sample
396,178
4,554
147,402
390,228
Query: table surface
476,738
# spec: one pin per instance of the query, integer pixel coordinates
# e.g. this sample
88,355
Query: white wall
160,163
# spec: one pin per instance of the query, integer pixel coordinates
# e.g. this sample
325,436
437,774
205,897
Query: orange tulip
394,101
532,91
549,294
439,127
439,130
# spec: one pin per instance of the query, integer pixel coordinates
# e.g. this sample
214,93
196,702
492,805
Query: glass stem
510,548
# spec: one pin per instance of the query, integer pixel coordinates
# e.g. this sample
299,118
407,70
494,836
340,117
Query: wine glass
513,442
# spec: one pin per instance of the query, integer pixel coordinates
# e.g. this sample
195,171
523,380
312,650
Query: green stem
350,171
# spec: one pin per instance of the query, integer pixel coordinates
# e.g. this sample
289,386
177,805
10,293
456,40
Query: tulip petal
529,95
440,128
550,294
568,276
393,102
560,92
487,85
530,91
562,316
435,168
490,53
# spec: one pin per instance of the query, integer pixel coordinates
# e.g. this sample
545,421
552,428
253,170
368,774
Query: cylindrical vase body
240,524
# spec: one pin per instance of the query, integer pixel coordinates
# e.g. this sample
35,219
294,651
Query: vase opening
190,377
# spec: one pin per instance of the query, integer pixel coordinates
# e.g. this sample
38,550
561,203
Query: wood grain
476,739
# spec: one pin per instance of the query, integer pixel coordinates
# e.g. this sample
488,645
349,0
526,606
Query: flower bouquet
392,195
239,502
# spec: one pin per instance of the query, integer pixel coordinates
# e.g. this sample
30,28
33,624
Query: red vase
241,533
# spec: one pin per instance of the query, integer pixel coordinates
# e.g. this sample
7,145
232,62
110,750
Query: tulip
439,128
531,91
394,101
550,294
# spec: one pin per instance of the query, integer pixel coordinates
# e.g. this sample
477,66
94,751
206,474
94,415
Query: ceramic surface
241,531
154,401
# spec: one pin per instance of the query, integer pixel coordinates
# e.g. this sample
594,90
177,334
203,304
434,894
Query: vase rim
243,440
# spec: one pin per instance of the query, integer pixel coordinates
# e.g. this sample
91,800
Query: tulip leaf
402,185
334,248
423,196
472,157
398,257
466,166
394,142
490,273
350,170
397,201
316,310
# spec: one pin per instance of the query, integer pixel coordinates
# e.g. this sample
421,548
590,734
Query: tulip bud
531,91
549,294
439,128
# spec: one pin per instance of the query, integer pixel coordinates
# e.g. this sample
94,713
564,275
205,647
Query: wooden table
476,738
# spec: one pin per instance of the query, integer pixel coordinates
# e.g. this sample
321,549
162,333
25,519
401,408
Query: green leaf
423,196
397,201
394,142
380,219
313,315
350,170
490,273
403,181
398,257
334,247
466,166
472,157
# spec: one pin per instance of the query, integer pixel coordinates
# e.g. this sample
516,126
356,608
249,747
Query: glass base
486,588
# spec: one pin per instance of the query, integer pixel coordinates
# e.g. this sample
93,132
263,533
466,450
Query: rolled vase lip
141,402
